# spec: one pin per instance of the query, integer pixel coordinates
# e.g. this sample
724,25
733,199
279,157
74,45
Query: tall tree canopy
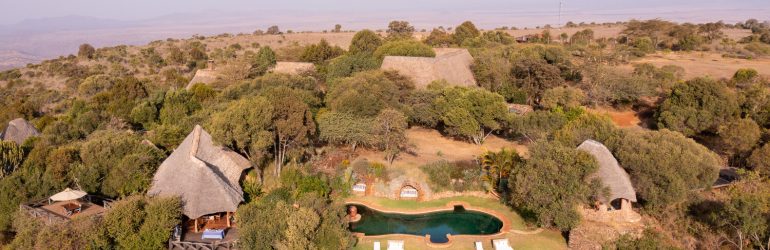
697,106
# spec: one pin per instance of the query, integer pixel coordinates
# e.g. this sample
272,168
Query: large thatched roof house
452,65
293,68
204,175
610,173
204,76
18,130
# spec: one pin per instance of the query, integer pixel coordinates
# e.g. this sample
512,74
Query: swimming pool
437,224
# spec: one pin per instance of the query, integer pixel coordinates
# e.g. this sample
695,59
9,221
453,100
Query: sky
15,11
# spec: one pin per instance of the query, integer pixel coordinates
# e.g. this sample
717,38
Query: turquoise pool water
437,224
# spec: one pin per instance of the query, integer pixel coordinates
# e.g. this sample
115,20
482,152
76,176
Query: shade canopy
68,195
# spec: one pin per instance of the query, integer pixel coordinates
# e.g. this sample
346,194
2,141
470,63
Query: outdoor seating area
501,244
66,205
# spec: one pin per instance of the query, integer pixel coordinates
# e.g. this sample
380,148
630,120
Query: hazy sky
13,11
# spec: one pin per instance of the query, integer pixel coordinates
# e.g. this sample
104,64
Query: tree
292,123
744,218
498,165
399,30
321,52
86,51
654,160
738,136
696,106
536,76
389,130
404,48
337,28
560,173
123,221
336,127
273,30
760,160
471,113
162,214
11,156
246,127
301,225
365,41
464,31
349,64
365,94
438,38
264,60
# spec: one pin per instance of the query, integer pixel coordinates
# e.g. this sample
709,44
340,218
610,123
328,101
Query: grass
547,239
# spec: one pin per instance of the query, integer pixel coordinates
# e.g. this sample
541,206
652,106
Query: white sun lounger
395,245
479,246
376,245
501,244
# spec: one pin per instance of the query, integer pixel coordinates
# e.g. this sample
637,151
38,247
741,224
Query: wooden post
196,225
227,217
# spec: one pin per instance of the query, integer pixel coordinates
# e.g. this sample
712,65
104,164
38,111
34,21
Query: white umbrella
68,194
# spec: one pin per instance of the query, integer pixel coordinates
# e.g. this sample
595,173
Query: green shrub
404,48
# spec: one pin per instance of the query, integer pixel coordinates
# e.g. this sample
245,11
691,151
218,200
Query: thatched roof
205,76
203,174
18,130
610,172
519,109
452,65
294,68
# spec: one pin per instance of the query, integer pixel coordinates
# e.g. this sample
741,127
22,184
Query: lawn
547,239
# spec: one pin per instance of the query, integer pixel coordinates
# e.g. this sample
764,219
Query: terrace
57,211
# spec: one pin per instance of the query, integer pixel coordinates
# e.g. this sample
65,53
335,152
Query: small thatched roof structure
203,174
519,109
452,65
205,76
293,68
610,172
18,131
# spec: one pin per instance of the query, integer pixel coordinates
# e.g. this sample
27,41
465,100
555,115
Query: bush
697,106
456,176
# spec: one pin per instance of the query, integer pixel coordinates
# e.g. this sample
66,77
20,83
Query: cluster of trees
660,34
135,222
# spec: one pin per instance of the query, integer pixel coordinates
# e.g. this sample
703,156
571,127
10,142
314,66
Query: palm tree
498,165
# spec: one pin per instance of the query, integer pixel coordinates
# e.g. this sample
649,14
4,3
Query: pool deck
505,231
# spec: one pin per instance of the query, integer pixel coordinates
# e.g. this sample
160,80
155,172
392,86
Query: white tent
68,195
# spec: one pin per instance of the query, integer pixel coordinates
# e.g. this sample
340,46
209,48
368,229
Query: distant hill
13,59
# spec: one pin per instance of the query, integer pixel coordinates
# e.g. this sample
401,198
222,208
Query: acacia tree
321,52
535,76
399,30
246,127
338,127
292,123
389,129
86,51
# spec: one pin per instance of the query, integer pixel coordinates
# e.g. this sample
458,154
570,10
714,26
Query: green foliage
321,52
582,37
745,75
560,173
760,160
744,216
650,239
389,133
344,128
262,62
697,106
643,46
536,76
11,156
471,113
349,64
142,223
453,176
404,48
399,30
245,127
587,126
292,123
366,93
537,125
738,136
439,38
664,181
497,167
464,31
365,41
564,97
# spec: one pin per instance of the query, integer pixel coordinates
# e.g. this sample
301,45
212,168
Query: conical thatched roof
452,65
18,131
293,68
610,172
205,76
204,175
